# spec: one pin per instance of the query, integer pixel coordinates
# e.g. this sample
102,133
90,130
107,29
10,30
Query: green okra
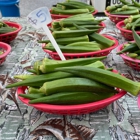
75,84
105,77
72,33
49,67
32,96
71,98
129,48
38,80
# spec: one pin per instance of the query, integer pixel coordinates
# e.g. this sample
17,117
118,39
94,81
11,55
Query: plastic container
115,18
9,8
127,34
8,37
104,52
6,49
55,16
133,63
71,109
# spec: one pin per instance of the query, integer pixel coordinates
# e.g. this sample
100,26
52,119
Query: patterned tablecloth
118,121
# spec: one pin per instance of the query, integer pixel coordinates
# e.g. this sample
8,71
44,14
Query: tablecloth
118,121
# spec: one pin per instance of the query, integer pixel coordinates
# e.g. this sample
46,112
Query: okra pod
58,11
72,33
127,12
71,98
49,67
104,76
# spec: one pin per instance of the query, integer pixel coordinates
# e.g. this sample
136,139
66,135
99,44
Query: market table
118,121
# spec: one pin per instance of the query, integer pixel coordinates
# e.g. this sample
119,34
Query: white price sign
39,18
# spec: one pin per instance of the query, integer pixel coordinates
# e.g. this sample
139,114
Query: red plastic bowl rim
20,90
87,53
119,26
126,57
6,47
138,101
113,15
13,32
65,16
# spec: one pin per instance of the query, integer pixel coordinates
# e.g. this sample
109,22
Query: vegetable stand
19,121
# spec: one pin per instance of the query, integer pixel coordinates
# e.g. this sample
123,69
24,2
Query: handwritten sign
40,18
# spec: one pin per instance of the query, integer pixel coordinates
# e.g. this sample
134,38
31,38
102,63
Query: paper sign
40,18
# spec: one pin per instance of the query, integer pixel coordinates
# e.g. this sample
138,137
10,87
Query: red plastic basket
71,109
127,34
6,49
104,52
8,37
115,18
55,16
133,63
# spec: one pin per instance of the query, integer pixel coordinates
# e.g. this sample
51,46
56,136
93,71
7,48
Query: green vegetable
124,2
65,41
102,40
38,80
4,30
76,49
135,35
104,76
132,55
72,33
136,3
71,98
127,12
75,84
32,96
56,10
49,67
130,48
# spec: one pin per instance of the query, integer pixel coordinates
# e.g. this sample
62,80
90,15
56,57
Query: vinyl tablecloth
118,121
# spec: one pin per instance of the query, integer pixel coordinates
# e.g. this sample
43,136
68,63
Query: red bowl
133,63
104,52
8,37
55,16
71,109
115,18
6,48
127,34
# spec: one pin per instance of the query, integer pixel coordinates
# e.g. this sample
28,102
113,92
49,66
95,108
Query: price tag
40,18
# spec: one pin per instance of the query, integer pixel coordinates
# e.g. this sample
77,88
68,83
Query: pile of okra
126,8
73,81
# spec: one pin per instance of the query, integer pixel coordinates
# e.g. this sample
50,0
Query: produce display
70,7
59,82
132,49
77,34
129,22
73,22
5,28
80,44
125,8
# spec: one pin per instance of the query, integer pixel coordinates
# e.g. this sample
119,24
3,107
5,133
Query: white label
39,17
